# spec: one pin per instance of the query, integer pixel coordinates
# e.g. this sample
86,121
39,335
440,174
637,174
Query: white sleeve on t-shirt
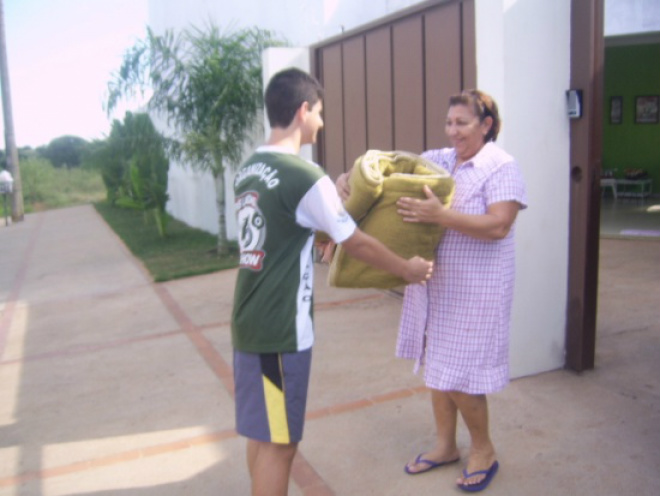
321,210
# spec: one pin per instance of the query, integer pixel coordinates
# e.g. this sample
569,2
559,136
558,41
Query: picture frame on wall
647,109
616,110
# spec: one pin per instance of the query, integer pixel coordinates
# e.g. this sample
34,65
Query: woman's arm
493,225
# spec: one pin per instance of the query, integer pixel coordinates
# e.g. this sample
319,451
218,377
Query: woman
458,324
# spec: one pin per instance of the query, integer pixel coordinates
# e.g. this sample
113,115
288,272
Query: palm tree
208,86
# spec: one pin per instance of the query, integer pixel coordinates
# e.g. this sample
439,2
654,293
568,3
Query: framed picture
646,109
616,110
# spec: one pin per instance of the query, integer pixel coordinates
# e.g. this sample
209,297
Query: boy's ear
302,110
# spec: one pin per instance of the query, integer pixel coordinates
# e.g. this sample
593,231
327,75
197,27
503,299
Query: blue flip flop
431,465
479,486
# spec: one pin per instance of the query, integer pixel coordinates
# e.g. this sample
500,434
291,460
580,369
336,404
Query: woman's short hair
483,106
286,92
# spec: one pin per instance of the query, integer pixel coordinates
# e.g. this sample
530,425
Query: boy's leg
252,451
270,467
271,395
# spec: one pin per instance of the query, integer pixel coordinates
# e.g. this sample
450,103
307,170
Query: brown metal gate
387,84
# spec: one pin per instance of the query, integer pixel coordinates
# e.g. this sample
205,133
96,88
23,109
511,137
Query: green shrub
134,167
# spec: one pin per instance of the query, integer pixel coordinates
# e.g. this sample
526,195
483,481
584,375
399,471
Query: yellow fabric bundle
378,179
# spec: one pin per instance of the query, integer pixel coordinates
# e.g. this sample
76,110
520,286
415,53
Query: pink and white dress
457,325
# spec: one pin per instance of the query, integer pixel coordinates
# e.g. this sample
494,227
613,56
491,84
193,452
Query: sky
61,55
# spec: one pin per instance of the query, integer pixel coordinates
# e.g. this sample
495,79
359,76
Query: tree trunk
223,244
17,212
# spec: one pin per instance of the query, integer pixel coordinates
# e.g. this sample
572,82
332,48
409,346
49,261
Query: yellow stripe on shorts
276,411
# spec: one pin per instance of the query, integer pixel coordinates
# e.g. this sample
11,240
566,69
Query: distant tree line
131,161
65,151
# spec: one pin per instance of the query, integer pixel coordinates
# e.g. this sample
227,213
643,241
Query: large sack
377,180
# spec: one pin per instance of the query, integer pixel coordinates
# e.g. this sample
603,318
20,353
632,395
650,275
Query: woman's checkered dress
457,325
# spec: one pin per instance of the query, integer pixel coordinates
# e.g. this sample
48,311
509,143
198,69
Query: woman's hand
493,225
428,211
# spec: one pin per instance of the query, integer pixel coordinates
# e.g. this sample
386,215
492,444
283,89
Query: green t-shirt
273,300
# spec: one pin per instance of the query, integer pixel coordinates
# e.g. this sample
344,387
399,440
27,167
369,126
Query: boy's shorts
271,395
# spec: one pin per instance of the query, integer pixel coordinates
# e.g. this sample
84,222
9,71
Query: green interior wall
632,71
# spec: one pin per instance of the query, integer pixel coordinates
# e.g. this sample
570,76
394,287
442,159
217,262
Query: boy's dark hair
286,92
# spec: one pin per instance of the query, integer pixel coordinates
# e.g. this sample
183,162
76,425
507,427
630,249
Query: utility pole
17,212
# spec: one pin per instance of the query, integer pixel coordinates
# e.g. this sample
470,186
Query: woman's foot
479,467
429,461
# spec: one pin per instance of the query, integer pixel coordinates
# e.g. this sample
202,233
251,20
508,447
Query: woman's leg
445,450
474,410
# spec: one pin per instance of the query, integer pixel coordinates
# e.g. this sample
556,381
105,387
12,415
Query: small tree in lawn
134,167
208,86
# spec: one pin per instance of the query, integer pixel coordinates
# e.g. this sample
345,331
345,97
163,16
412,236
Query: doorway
630,179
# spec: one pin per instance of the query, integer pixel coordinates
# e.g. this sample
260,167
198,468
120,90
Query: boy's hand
419,270
327,250
342,186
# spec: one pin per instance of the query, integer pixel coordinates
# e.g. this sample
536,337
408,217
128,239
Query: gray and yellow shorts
271,395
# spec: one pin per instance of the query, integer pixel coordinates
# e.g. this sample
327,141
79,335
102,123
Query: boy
281,200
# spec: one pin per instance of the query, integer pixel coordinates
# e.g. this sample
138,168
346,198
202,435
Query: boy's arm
369,250
321,209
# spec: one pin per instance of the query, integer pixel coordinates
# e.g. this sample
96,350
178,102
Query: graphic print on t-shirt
251,231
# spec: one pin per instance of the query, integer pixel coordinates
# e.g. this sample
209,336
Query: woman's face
465,131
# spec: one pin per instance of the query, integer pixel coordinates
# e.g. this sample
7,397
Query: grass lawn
46,187
184,252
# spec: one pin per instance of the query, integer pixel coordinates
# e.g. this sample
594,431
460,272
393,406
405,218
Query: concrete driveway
113,385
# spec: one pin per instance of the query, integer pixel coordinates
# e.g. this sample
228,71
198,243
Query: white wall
528,79
625,17
192,198
302,22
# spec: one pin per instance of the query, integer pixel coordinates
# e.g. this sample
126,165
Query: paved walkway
113,385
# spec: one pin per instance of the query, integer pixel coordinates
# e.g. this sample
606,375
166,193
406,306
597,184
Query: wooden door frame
587,63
